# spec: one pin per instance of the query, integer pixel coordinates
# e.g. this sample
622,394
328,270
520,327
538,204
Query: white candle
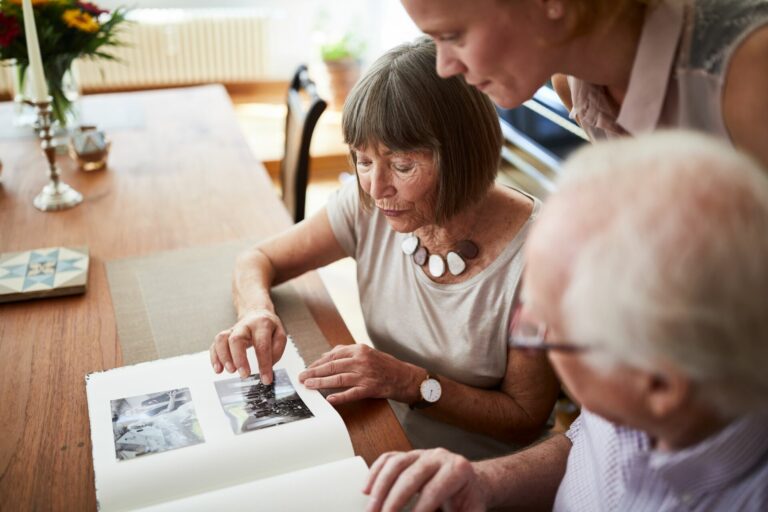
35,73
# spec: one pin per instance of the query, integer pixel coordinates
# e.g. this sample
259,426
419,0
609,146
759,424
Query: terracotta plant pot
343,74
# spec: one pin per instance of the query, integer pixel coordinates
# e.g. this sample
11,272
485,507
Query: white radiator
180,46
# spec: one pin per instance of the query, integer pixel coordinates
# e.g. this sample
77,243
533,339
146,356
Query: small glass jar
89,147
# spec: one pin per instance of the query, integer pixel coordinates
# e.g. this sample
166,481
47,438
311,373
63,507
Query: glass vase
23,114
64,88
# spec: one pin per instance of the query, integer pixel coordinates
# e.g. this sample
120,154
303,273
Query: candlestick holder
56,195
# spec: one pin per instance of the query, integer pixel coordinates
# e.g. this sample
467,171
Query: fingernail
217,367
309,383
229,366
243,373
266,380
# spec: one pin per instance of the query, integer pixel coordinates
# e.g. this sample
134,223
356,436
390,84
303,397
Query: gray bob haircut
676,267
403,104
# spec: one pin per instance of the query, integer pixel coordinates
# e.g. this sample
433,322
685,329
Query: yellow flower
80,20
34,2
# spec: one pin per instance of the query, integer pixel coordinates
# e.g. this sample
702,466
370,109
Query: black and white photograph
250,405
155,422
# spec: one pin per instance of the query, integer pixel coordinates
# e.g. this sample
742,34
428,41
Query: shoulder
507,214
745,102
507,201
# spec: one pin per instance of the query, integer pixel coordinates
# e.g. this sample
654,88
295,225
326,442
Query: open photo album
173,435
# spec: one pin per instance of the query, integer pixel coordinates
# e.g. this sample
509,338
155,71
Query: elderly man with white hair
647,283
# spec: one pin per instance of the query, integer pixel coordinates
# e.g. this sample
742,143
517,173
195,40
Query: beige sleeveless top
456,330
678,73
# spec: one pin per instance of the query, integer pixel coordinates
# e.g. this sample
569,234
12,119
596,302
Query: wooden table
183,178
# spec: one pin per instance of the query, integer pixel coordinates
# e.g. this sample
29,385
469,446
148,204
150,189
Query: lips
391,213
481,86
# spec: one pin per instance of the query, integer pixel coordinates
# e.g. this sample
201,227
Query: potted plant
343,59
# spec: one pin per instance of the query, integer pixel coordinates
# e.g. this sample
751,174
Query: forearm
490,412
306,246
527,480
253,278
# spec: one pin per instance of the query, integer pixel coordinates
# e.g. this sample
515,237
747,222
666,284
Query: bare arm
745,100
516,412
527,480
307,245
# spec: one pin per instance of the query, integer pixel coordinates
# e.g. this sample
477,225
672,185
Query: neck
605,55
441,238
690,428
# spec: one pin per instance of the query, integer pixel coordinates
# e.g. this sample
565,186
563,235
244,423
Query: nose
448,63
381,183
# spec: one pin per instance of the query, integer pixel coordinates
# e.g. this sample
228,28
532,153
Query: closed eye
404,167
450,37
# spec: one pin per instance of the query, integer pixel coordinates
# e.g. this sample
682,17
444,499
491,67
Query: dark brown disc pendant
467,249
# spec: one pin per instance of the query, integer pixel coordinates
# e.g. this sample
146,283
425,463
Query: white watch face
431,390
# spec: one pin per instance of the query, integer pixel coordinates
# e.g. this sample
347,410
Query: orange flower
80,20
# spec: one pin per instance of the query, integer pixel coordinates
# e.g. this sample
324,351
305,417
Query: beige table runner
173,303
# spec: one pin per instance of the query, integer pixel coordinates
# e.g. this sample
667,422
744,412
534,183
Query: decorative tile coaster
48,272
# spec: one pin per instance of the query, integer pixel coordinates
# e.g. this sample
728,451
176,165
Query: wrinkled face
617,394
614,395
497,46
403,185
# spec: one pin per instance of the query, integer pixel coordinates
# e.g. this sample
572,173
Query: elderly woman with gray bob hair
438,246
653,313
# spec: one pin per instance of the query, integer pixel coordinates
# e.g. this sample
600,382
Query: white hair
676,269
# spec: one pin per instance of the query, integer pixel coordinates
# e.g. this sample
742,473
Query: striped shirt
613,468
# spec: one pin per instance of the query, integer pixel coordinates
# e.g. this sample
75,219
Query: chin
510,98
400,227
507,101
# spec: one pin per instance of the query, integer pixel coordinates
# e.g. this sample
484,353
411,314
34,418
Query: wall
297,28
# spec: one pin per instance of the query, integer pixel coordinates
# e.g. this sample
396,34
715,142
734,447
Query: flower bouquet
67,30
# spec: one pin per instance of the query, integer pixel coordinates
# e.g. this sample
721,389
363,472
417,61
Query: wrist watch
430,390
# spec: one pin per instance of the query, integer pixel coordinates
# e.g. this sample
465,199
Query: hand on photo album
363,372
261,329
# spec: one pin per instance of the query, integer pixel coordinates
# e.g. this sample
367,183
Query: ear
666,392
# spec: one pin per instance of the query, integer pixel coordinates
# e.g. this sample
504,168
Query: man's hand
437,478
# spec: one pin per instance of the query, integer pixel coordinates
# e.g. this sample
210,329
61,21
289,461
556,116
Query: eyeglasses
527,334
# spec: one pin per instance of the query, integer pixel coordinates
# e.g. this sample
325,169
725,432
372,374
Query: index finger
388,474
435,485
262,344
337,352
375,468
